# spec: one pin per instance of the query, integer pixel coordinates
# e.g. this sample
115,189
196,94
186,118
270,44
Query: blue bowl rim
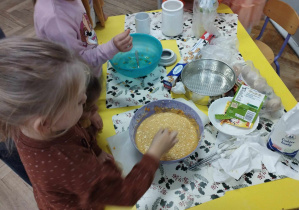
153,63
201,128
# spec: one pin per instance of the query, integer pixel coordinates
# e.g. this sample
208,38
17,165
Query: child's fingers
127,31
100,125
123,35
131,41
109,157
97,125
173,134
160,131
127,43
125,40
127,48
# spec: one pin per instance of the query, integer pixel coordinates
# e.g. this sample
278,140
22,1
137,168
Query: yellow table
274,195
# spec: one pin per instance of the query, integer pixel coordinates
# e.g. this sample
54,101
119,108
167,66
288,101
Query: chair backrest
283,14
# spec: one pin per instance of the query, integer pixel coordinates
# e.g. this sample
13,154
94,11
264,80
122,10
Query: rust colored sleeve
111,189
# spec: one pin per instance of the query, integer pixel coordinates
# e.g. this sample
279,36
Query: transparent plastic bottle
204,13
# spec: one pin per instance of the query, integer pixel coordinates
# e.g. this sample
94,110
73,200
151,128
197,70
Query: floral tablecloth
176,187
225,23
123,91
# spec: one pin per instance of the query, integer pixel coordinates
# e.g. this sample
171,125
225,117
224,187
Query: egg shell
260,84
274,104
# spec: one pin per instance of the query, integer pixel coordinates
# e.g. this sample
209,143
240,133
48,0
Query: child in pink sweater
66,22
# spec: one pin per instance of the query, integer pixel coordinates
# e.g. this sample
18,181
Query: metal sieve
207,77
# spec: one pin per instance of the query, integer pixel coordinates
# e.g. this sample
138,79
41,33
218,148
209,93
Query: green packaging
245,105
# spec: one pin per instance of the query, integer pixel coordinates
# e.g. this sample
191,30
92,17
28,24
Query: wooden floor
16,20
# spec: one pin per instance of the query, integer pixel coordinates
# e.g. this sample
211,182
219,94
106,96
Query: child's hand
105,156
123,41
163,141
96,121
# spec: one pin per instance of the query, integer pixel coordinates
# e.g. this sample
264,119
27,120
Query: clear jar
204,13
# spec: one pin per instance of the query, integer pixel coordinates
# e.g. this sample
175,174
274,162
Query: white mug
142,23
172,17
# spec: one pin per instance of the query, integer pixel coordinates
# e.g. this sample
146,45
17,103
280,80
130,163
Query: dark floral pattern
176,187
265,125
124,91
225,23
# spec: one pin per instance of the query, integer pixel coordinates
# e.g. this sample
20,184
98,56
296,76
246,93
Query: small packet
194,54
171,78
233,121
245,105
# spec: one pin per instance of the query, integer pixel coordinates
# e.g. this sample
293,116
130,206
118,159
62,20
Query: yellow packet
234,121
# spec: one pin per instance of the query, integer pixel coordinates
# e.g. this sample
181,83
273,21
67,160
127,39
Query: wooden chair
98,8
285,16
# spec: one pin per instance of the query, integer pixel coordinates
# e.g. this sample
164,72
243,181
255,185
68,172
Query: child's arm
68,175
111,189
96,121
96,55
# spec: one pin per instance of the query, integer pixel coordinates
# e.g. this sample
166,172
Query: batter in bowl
175,120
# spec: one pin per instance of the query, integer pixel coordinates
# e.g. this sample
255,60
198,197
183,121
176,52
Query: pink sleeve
64,33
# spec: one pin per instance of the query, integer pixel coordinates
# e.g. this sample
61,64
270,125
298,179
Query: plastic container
172,17
143,23
204,14
149,53
284,137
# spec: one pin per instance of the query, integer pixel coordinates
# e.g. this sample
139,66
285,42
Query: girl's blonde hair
37,78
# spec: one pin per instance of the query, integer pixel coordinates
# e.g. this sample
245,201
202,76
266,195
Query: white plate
217,107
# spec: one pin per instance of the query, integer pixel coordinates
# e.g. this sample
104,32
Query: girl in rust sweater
42,92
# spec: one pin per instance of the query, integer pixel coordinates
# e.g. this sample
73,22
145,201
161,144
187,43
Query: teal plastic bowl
149,53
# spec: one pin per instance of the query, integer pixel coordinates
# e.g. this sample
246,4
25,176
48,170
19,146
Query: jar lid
168,58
